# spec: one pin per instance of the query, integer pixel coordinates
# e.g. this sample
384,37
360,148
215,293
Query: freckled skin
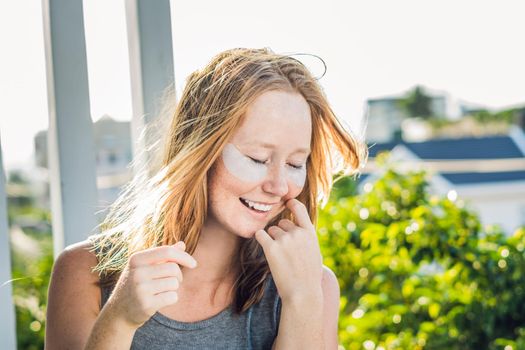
279,118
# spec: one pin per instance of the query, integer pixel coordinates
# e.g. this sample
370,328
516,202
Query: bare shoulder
73,297
331,294
329,281
80,250
74,265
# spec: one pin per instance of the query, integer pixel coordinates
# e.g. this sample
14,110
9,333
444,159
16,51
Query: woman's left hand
293,254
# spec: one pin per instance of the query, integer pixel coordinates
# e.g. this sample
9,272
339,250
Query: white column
151,65
7,320
70,139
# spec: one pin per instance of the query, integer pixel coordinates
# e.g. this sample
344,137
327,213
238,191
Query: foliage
418,272
17,177
30,279
509,116
417,104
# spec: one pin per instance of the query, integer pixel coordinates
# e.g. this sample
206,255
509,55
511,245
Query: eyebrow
270,146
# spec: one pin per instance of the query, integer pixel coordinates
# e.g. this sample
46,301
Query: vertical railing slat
7,320
151,65
70,140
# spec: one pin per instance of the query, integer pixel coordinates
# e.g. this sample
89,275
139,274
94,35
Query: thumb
263,238
181,245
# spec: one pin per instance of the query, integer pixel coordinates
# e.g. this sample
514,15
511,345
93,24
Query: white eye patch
241,166
297,176
245,169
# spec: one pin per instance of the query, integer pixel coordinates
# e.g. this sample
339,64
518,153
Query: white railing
71,148
7,321
73,181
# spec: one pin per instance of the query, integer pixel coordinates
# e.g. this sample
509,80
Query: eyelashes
256,160
260,162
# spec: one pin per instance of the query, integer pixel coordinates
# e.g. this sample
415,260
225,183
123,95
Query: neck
215,253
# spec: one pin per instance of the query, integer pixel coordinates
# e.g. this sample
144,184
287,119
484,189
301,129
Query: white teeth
258,206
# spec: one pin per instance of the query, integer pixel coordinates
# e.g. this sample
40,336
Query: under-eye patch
242,167
246,169
297,175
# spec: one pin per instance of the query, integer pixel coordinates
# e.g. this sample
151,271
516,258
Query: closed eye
264,162
296,166
257,161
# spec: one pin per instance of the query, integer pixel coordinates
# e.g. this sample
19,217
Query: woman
217,250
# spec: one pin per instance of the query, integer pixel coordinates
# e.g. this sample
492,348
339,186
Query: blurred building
385,116
113,155
488,173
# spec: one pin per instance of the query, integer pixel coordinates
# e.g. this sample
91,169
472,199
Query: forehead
276,117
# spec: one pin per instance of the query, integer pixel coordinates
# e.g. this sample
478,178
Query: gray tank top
256,328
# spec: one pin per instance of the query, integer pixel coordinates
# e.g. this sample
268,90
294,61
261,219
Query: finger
163,270
165,299
276,232
162,285
298,209
162,254
286,225
264,239
181,245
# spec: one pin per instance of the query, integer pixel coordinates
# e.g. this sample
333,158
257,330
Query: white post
7,321
151,66
70,140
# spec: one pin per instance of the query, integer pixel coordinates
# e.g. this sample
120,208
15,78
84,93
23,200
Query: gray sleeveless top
256,328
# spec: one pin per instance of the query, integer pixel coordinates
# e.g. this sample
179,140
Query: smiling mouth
255,210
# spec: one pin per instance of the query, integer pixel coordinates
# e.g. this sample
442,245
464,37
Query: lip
259,202
257,215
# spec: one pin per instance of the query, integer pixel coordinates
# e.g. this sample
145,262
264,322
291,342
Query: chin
248,233
246,226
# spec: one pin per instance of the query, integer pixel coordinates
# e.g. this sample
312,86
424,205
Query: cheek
223,185
219,184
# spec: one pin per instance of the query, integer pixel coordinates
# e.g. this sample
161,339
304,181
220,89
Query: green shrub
418,272
30,278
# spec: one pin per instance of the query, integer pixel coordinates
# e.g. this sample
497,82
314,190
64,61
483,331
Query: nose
276,181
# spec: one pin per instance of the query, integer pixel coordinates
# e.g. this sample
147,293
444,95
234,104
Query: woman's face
263,165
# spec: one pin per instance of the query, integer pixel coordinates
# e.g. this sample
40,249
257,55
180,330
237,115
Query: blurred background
427,243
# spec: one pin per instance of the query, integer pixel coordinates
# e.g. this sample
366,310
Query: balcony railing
73,181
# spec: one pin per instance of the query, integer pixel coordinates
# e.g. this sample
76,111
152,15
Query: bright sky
471,48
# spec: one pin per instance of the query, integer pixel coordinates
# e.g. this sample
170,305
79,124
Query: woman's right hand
149,282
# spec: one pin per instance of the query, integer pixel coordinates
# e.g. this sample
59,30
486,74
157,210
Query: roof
470,148
490,147
468,178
